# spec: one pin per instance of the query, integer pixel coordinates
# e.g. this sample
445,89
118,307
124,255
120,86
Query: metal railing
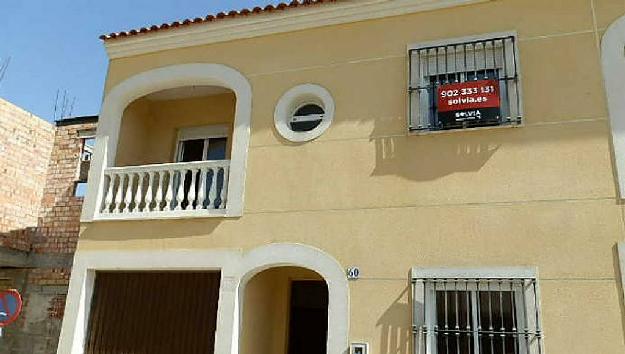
465,69
480,316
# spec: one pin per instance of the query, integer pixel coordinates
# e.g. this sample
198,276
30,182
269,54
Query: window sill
169,215
456,131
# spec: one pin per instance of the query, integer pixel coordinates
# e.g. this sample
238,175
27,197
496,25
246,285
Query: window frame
83,162
296,98
205,132
424,302
417,106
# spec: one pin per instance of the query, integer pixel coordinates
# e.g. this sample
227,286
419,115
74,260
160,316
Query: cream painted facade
368,193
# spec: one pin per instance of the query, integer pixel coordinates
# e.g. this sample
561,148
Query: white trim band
613,62
277,22
236,267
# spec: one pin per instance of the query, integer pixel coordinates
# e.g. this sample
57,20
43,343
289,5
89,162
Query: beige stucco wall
266,309
371,195
149,128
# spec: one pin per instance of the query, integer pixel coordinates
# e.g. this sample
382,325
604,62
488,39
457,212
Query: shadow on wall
439,154
428,157
155,229
616,261
396,326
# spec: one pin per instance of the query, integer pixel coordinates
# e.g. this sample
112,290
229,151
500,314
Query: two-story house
372,176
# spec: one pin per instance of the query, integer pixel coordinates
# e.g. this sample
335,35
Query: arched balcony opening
172,143
173,154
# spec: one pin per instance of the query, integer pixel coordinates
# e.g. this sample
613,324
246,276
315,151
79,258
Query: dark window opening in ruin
87,145
80,189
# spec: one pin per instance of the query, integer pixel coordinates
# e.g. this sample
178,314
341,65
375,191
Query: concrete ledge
20,259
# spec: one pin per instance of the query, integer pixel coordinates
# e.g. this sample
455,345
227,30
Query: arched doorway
285,312
313,262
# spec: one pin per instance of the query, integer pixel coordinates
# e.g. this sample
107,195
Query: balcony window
209,143
202,143
464,84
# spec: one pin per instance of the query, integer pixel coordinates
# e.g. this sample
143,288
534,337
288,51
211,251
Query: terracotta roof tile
217,17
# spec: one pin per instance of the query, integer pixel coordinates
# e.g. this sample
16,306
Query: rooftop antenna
63,105
71,107
56,101
4,64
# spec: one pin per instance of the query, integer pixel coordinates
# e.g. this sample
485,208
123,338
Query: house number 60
353,273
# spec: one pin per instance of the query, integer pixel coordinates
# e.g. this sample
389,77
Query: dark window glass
453,312
306,118
492,330
192,150
217,149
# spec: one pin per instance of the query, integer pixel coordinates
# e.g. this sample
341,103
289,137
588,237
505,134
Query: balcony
170,190
172,143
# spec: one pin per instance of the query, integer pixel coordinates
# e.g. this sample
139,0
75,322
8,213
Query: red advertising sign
10,306
468,95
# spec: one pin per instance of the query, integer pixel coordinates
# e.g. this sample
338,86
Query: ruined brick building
43,168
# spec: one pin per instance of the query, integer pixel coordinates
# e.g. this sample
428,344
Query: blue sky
53,44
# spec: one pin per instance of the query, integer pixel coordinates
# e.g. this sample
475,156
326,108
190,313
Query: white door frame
613,63
236,267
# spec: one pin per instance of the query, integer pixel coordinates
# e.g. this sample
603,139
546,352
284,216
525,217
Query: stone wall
42,190
25,146
59,220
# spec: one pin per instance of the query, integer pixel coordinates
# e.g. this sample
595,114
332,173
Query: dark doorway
149,312
308,323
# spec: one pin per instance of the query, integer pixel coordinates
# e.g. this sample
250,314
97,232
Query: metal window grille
478,316
465,73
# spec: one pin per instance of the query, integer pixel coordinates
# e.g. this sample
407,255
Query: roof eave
271,23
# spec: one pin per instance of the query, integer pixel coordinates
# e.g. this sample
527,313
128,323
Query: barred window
464,84
476,315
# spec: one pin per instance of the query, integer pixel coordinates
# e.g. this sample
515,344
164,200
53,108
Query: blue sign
10,306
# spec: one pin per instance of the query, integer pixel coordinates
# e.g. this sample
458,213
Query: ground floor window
467,315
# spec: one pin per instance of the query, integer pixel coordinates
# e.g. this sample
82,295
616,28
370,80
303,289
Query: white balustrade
165,190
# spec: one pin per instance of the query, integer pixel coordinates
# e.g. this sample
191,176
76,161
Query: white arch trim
613,63
280,255
163,78
236,269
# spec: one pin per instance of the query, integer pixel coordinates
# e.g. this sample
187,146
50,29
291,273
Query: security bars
464,84
477,316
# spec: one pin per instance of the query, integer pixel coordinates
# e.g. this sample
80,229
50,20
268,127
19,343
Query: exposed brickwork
57,307
60,209
39,214
49,276
25,147
37,329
